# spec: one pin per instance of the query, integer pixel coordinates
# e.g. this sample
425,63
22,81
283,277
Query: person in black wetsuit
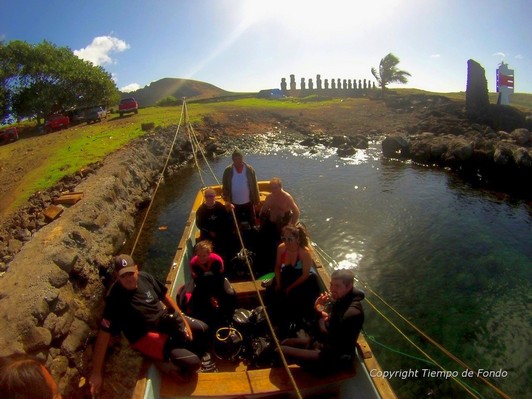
134,306
214,222
341,320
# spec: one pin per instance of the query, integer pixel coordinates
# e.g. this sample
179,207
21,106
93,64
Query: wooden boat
234,379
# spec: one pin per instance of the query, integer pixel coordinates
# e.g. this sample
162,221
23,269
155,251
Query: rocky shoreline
51,291
51,284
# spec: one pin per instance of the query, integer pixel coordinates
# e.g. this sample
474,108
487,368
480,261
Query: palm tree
388,72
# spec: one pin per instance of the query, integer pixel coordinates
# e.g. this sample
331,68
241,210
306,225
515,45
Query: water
453,260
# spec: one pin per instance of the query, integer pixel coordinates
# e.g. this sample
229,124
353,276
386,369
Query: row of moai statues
346,84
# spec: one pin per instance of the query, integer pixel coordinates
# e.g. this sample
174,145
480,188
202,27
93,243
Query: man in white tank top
240,189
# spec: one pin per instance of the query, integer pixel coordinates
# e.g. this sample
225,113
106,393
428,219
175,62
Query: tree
37,80
389,73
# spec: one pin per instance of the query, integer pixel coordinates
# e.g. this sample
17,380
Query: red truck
56,122
128,105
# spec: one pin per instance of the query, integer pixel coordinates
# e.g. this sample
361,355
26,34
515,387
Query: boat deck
248,383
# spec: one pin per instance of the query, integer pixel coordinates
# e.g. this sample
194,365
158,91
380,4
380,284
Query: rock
395,145
477,99
58,366
459,151
522,158
58,278
346,150
65,258
337,141
14,246
77,335
36,338
58,325
522,137
503,155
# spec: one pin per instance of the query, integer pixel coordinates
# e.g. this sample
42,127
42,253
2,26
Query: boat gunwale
366,359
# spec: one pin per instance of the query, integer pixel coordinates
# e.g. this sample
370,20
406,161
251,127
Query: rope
243,254
333,263
161,176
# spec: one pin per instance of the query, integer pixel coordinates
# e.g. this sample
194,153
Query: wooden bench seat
250,382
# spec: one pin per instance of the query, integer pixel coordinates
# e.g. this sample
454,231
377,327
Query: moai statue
350,84
339,83
373,85
354,84
365,84
283,84
310,84
292,82
333,84
360,83
303,85
318,82
345,84
326,84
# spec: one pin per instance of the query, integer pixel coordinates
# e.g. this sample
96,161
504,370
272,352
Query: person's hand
322,304
95,381
288,290
322,323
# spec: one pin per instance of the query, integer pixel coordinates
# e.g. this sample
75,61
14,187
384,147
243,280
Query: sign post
505,83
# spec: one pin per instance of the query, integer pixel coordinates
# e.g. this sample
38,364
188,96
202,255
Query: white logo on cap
124,263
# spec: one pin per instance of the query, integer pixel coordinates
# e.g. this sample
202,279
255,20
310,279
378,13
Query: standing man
134,306
341,320
240,189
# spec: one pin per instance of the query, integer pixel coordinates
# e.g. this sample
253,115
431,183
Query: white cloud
98,52
435,56
519,56
130,87
499,54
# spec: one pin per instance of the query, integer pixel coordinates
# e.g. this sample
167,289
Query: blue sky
245,45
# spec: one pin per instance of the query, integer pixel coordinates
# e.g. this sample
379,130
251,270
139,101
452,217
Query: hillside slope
178,88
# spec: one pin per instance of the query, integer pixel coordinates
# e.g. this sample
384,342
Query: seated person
341,320
278,210
295,288
213,221
139,306
213,298
22,376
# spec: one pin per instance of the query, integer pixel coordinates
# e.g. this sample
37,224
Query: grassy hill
178,88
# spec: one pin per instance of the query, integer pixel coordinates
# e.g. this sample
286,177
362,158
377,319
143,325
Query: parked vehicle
95,114
9,134
56,122
128,105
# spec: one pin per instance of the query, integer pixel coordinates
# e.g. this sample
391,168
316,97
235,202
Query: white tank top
240,187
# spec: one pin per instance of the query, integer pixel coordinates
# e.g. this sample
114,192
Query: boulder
395,146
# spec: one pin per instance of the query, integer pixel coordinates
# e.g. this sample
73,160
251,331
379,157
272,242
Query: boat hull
235,380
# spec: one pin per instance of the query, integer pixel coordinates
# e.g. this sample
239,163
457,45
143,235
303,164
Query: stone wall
51,293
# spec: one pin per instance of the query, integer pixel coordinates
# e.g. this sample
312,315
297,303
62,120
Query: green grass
73,149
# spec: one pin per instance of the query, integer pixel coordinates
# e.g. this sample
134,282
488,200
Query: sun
315,18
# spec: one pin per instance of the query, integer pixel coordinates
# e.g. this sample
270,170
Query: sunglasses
288,239
210,196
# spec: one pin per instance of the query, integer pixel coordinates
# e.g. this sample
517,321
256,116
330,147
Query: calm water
455,261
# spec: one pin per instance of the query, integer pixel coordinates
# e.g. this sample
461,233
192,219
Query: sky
249,45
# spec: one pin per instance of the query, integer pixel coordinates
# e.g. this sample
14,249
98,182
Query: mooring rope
333,263
244,253
159,181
